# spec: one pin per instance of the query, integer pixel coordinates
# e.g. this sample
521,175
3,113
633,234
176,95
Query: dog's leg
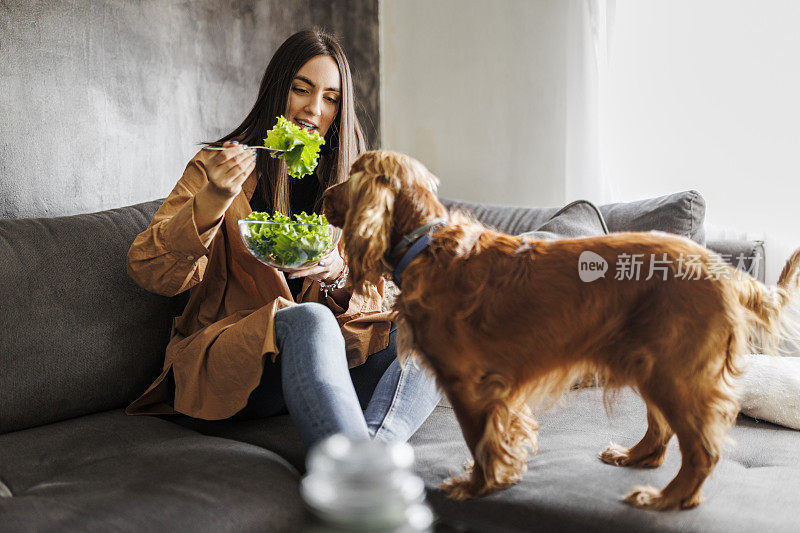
472,421
502,453
700,420
650,451
498,436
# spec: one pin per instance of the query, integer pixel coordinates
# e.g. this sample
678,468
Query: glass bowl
288,245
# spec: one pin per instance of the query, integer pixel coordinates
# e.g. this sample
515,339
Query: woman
242,347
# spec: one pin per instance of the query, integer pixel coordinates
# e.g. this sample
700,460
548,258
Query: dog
505,323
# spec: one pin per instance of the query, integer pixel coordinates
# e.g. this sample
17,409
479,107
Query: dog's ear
367,229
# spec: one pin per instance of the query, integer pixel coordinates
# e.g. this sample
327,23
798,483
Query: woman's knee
308,321
306,313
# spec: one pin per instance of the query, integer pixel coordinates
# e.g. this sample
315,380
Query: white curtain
589,29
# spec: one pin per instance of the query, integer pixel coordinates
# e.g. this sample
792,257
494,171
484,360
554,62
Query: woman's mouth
310,126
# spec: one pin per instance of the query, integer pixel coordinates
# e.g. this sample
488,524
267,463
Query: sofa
80,341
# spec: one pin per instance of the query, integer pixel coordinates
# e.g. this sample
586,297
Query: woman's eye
300,90
332,100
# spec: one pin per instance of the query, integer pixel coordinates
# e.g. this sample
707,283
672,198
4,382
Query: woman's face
315,95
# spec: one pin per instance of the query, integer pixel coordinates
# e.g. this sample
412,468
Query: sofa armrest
745,255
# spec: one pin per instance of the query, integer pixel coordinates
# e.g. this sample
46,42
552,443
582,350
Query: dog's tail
774,327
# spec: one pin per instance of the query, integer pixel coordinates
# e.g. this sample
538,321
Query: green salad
304,240
302,145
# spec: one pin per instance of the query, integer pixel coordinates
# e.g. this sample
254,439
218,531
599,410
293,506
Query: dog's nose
325,202
327,193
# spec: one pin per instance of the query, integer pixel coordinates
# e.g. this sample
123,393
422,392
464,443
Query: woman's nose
314,105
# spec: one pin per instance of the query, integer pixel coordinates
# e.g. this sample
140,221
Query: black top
257,202
303,194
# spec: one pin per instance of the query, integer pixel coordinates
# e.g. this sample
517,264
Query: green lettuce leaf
302,145
290,245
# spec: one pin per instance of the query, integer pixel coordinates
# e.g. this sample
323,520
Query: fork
268,149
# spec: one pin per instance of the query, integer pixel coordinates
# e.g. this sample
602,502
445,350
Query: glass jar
364,485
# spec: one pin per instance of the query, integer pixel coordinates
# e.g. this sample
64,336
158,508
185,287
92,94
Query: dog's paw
459,488
614,454
468,466
645,497
692,502
617,455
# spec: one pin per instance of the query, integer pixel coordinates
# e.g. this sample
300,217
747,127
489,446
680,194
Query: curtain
589,29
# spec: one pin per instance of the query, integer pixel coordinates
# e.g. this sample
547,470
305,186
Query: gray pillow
578,219
681,213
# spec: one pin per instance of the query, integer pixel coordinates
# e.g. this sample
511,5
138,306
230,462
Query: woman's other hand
329,269
226,171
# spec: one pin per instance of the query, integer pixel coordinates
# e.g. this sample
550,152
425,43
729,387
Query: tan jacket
219,345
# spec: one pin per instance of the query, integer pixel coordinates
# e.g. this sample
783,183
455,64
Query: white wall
706,95
475,90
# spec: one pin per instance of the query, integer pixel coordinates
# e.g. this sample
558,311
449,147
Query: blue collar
417,248
414,235
422,238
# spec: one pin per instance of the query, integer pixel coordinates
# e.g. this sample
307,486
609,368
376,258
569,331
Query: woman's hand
229,169
226,171
328,270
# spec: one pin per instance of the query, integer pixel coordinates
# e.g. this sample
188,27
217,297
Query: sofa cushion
276,433
79,336
113,472
682,213
755,486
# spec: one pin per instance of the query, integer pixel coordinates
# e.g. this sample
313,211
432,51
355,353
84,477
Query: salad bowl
288,245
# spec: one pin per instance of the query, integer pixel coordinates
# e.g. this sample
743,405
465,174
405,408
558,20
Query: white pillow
769,389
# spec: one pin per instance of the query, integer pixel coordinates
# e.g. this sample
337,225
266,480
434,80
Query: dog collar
417,248
414,235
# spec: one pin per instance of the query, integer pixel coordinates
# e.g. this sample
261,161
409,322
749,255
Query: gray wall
102,102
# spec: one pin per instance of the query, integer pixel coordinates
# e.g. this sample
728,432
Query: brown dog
503,320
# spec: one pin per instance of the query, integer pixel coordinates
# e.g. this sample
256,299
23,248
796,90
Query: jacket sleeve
170,256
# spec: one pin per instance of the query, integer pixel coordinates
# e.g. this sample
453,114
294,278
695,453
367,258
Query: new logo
591,266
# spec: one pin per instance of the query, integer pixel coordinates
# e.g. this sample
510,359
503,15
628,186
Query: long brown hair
344,139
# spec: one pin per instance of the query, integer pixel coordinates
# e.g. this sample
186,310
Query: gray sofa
80,340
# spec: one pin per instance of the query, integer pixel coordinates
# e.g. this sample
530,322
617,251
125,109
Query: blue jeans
380,399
